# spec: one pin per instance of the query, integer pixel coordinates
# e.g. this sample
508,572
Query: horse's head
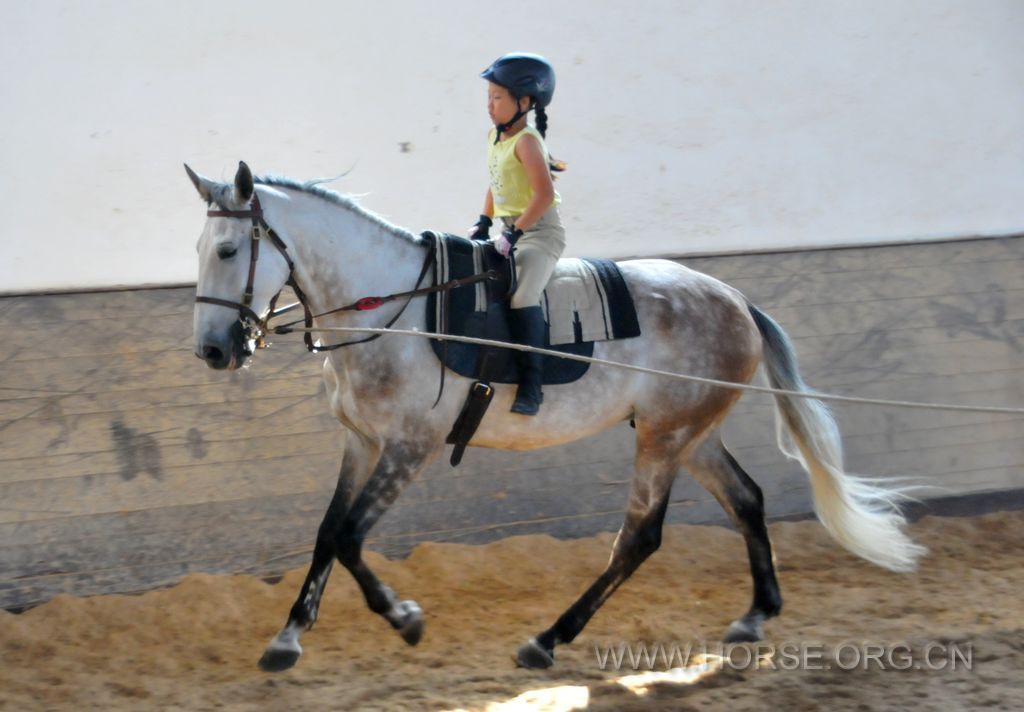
235,289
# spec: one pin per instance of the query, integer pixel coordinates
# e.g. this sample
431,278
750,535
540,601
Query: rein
257,328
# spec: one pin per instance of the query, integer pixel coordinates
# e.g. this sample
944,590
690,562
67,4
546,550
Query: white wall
689,127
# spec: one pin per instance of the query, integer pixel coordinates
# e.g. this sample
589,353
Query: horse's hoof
531,655
743,631
279,659
409,621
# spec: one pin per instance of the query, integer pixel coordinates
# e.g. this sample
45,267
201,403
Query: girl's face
501,105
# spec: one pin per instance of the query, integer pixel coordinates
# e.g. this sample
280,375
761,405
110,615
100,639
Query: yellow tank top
510,187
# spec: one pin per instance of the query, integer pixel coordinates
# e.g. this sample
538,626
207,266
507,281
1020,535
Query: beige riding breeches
537,252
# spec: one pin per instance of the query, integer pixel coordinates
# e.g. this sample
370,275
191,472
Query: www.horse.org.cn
848,655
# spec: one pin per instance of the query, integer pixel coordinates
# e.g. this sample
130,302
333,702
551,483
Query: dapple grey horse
334,252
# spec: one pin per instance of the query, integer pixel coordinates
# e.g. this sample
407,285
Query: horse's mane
314,187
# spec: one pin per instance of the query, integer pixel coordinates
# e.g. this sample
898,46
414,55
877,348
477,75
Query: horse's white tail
861,515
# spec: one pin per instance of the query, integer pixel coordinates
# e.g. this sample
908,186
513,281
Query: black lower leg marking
748,508
397,466
284,650
633,546
404,616
719,472
306,608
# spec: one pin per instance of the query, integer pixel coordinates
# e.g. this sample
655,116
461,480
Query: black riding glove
481,228
512,234
507,241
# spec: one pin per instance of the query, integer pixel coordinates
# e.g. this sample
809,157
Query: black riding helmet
524,75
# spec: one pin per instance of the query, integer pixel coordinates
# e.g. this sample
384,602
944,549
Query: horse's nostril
212,353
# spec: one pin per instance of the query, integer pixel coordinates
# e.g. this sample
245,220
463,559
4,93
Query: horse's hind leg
714,467
284,650
639,537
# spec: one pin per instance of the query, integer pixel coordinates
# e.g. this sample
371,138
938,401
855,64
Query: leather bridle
256,329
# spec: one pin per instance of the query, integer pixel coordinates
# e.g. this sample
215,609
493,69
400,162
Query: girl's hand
480,229
502,245
504,242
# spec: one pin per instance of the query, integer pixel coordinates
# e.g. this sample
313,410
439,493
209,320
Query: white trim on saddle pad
444,272
575,293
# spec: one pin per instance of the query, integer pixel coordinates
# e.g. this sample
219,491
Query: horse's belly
562,418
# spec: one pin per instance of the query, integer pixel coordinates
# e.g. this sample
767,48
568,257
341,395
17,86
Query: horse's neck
342,255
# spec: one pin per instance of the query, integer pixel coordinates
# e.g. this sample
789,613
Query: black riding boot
527,327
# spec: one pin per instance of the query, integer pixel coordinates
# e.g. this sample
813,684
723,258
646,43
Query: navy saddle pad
477,311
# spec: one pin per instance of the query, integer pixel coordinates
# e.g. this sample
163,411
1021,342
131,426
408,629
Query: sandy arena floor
195,646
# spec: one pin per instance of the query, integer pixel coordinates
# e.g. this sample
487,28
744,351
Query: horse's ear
243,183
203,185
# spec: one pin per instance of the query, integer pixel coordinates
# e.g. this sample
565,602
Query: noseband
256,328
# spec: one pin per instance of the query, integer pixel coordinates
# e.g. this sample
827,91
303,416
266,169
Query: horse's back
703,321
671,275
659,281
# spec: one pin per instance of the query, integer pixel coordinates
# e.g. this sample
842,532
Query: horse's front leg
399,464
284,650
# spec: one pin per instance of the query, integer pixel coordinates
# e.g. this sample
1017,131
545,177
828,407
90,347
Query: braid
542,121
542,127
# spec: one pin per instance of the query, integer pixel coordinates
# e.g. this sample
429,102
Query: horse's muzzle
226,353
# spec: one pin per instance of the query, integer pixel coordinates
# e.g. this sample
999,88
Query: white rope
670,374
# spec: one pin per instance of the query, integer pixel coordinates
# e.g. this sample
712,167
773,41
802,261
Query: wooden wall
126,463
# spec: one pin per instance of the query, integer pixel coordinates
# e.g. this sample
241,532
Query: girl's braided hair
554,164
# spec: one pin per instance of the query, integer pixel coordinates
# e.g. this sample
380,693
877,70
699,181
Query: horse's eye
226,252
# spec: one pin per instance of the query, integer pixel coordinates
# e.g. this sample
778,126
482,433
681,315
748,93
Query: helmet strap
502,128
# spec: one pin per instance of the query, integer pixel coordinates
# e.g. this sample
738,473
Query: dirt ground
948,637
